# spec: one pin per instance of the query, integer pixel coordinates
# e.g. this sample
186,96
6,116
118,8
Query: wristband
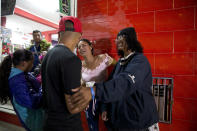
92,92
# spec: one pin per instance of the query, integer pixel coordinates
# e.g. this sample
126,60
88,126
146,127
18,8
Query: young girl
24,91
94,69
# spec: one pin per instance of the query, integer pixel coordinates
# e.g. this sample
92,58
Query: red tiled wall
167,31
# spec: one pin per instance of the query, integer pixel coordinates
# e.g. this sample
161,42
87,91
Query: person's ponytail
5,69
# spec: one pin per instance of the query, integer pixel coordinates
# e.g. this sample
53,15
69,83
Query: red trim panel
32,17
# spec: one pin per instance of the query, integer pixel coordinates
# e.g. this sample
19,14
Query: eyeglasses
119,39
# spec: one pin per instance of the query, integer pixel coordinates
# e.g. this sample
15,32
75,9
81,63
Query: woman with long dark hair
94,69
22,88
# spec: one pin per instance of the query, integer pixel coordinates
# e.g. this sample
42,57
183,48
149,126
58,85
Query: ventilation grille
162,91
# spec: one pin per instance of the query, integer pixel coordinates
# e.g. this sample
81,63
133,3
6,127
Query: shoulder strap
36,53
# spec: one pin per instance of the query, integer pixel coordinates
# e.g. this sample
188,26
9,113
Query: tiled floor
9,127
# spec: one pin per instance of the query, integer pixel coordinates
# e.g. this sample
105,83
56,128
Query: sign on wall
65,7
68,7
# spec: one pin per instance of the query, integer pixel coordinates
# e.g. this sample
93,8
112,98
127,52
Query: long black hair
5,69
89,43
131,39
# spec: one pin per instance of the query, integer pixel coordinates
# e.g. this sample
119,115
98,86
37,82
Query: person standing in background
38,45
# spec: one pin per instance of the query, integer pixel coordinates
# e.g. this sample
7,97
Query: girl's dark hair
131,39
5,69
89,43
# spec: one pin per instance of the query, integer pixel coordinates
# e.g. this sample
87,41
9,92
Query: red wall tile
91,28
177,64
164,127
102,45
151,60
79,10
150,5
185,41
117,7
185,86
94,8
184,3
195,63
130,6
143,22
116,25
94,3
181,125
113,8
92,12
194,112
178,19
196,19
181,109
113,47
82,1
161,42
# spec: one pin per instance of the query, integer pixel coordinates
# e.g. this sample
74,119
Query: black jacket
128,95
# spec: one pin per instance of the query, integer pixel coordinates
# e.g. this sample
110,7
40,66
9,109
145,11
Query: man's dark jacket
128,94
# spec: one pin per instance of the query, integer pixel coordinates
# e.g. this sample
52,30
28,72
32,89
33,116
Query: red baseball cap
76,22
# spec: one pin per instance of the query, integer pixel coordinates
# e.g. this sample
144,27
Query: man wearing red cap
61,72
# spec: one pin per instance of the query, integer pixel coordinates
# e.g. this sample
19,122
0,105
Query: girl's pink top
99,73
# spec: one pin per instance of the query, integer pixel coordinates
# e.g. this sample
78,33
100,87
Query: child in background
22,88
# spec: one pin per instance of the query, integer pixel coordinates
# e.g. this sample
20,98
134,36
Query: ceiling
20,24
46,9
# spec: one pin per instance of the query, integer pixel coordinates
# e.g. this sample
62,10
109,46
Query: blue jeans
92,116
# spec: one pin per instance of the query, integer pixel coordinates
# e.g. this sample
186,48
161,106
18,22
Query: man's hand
81,98
78,101
70,107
